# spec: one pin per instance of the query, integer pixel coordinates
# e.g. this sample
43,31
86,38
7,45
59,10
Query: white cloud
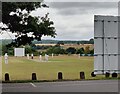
7,35
75,21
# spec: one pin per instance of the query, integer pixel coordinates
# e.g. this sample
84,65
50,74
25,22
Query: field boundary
34,81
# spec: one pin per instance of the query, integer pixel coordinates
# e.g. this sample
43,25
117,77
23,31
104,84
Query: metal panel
119,45
111,28
111,46
106,27
119,63
111,62
118,26
98,28
98,62
106,18
98,46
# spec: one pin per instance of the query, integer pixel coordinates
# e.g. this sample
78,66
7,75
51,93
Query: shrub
71,50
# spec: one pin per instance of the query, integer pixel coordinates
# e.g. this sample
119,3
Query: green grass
20,68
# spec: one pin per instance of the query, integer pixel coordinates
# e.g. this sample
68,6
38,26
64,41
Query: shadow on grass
34,81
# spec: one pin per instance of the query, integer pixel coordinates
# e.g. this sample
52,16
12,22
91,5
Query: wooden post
107,74
60,77
7,77
82,75
93,75
34,77
114,75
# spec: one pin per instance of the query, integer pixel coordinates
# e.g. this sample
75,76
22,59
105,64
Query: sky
75,20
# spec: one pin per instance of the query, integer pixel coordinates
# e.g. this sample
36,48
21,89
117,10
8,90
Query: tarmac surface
65,86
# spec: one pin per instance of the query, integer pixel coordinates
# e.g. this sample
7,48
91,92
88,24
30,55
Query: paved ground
67,86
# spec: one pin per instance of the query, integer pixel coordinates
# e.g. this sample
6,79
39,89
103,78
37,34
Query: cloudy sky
75,20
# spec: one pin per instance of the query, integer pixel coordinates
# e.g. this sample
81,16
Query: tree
92,51
25,25
71,50
91,41
60,43
80,51
55,50
87,50
78,43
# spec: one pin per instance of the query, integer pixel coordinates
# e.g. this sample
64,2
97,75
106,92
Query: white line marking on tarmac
33,85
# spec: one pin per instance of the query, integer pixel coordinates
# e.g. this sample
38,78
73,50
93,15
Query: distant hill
5,41
91,41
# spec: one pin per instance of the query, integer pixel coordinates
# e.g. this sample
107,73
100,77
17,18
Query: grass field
20,68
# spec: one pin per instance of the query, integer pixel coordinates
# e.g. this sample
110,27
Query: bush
9,51
55,50
87,50
80,51
28,49
42,47
71,50
92,52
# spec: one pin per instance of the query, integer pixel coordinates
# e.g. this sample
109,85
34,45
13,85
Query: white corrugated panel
106,18
98,62
111,51
98,46
110,46
111,29
119,63
98,28
111,62
119,26
119,45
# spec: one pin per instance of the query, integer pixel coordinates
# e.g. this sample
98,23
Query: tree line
91,41
70,50
49,50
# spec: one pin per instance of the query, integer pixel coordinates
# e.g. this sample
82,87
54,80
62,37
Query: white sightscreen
106,43
19,52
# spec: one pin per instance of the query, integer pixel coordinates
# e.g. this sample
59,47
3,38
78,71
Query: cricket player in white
28,56
52,55
46,57
40,57
32,56
6,58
